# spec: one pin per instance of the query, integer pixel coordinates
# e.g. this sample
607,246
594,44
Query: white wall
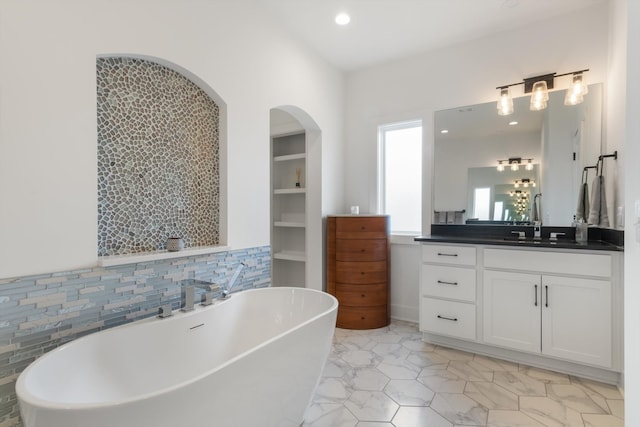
48,206
465,74
624,134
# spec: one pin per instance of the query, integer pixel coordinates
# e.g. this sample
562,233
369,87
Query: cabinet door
511,310
576,319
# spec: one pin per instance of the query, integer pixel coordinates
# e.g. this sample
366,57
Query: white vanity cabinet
548,307
448,291
565,317
561,307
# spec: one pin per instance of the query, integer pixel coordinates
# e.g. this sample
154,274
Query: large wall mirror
556,144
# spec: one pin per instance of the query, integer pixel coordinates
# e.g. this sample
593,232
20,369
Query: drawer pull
444,254
453,319
442,282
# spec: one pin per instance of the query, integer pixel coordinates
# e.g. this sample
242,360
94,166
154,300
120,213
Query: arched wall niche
161,156
289,119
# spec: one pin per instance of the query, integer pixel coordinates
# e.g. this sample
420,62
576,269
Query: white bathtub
251,361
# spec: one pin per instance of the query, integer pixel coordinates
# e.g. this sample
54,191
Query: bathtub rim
27,397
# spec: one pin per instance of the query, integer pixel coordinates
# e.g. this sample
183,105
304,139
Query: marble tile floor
389,377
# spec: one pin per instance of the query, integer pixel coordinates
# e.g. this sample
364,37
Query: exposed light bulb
514,166
505,102
539,96
529,166
500,166
575,93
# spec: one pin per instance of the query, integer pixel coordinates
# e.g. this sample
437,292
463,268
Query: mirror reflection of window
482,203
497,211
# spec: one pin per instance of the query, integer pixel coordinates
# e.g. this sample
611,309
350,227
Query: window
400,175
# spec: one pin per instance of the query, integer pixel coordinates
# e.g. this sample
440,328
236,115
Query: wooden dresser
358,255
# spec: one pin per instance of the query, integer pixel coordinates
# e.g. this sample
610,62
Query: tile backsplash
39,313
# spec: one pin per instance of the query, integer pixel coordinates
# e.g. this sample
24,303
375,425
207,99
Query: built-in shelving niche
296,220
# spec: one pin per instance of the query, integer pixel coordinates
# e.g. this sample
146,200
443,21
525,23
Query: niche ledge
113,260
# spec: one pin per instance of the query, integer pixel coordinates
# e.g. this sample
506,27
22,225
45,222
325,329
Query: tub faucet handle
206,298
164,311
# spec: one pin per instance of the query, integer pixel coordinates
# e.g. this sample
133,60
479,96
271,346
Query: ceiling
386,30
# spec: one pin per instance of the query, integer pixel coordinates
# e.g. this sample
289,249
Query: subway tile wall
40,313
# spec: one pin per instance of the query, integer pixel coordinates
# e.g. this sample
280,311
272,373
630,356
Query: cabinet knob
362,318
362,295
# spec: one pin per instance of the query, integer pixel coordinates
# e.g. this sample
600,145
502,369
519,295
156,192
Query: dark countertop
599,240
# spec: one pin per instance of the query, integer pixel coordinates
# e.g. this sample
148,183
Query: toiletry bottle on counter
582,231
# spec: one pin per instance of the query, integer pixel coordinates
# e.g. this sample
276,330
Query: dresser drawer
449,282
579,264
361,272
362,317
455,319
362,295
454,255
361,250
361,227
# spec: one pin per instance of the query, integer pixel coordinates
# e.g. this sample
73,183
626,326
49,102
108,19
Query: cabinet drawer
444,254
449,282
361,227
361,272
362,295
361,249
362,317
456,319
549,262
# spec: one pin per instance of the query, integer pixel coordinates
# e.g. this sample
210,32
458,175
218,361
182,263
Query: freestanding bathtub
251,361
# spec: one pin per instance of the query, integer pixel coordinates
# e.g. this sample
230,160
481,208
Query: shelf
290,157
289,224
291,256
290,191
113,260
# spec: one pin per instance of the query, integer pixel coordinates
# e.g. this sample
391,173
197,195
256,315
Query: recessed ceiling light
444,131
513,123
342,19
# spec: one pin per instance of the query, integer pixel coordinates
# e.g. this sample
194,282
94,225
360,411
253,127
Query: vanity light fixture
514,163
525,182
539,87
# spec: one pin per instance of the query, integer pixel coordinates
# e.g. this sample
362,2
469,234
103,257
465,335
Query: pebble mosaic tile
158,158
40,313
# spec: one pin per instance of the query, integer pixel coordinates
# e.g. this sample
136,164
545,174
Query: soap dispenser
582,231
